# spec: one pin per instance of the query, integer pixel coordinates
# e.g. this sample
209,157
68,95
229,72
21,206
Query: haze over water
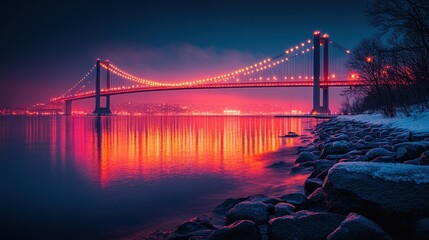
89,177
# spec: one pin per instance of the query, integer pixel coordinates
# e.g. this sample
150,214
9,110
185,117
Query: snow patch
395,172
417,122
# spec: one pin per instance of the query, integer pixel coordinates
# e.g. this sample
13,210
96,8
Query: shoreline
342,150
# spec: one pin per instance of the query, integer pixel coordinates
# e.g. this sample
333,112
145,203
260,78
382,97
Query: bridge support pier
316,74
324,109
68,108
98,109
325,90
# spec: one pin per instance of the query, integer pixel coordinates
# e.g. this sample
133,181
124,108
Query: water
89,177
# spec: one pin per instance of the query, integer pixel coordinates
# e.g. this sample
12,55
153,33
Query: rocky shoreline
367,182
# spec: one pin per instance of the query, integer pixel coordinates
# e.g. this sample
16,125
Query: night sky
46,46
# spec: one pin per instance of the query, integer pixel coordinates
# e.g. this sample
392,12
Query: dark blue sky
48,45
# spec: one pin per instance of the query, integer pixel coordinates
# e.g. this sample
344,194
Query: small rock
338,138
304,225
413,162
384,133
378,152
421,229
248,210
312,184
265,199
368,138
316,201
337,147
357,227
356,158
410,150
244,229
385,159
305,157
335,157
323,165
297,199
424,158
228,204
193,227
279,164
354,152
282,209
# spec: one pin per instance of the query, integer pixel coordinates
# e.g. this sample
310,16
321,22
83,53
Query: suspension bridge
318,63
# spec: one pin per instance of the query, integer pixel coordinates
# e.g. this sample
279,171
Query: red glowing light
369,59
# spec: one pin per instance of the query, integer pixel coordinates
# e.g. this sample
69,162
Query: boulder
388,193
255,211
305,157
421,229
410,150
312,184
337,147
357,227
244,229
304,225
424,158
297,199
282,209
378,152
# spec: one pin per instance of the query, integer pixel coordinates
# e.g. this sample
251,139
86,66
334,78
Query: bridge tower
318,40
98,109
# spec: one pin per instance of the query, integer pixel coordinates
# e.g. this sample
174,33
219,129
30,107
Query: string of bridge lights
255,68
250,69
77,83
112,68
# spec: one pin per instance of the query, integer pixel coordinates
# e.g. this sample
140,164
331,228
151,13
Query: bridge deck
135,89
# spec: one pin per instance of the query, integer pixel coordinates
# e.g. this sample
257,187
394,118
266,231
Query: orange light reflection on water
108,150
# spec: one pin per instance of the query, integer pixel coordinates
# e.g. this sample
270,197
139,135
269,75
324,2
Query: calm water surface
89,177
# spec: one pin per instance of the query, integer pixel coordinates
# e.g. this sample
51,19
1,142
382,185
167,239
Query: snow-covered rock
388,193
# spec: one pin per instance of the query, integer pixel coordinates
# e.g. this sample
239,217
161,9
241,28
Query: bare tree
395,64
